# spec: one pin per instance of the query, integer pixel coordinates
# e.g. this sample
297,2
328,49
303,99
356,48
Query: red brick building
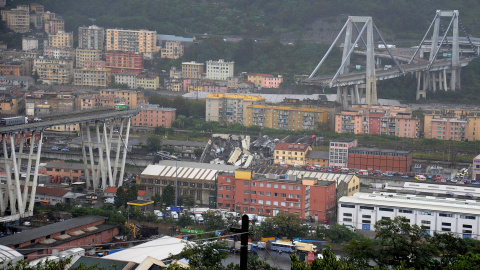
80,231
385,160
246,192
120,62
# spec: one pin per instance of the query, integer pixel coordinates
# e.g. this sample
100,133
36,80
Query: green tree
169,195
185,220
180,104
154,142
52,265
205,256
288,225
214,220
132,193
187,200
157,199
120,197
338,234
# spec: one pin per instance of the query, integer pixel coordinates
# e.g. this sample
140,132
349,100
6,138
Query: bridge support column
125,149
421,92
84,154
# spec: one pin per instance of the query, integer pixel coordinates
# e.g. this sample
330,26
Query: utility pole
243,242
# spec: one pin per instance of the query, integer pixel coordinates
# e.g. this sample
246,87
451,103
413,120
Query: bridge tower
355,91
430,79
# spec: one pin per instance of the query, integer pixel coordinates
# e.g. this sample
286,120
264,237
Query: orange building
132,98
13,70
247,192
60,171
155,116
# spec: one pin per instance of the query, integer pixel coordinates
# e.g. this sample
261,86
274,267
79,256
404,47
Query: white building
127,78
91,37
435,214
219,70
338,152
29,44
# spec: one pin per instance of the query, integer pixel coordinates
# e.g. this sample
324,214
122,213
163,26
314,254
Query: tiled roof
291,147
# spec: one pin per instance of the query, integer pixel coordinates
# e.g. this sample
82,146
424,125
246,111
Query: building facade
140,41
192,70
154,116
219,70
338,152
147,82
364,210
282,117
230,107
91,38
83,55
132,98
291,154
29,44
129,79
59,53
72,172
42,103
319,158
385,160
60,39
92,77
245,192
54,26
172,50
17,19
121,62
265,80
54,71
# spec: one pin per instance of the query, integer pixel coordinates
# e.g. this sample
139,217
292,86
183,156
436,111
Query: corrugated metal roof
322,176
188,170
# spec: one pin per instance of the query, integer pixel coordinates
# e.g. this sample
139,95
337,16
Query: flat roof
322,176
26,236
318,154
378,150
411,201
159,249
181,169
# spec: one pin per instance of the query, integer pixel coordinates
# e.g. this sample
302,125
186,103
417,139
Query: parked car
405,176
55,148
65,149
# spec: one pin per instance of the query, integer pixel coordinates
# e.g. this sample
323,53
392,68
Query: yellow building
12,103
291,154
98,77
17,19
61,40
230,107
147,82
318,158
54,71
142,41
132,98
172,50
282,117
195,87
192,70
82,55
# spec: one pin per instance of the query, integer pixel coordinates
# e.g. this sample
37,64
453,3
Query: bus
283,247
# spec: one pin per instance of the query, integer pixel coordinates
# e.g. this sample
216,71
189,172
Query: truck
121,107
110,200
199,219
174,209
158,213
11,121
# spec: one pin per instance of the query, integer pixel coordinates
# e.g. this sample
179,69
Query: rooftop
357,149
184,143
65,165
291,146
103,263
191,170
315,154
48,230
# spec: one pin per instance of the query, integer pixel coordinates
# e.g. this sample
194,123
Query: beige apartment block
17,19
54,71
230,108
172,50
192,70
61,40
82,55
100,77
142,41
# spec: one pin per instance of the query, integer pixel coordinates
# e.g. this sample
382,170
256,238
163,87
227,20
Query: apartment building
385,160
17,19
140,41
282,117
10,69
457,125
291,154
379,120
59,53
219,70
91,38
124,62
192,70
147,82
250,193
54,71
434,214
60,40
65,171
12,103
32,43
172,50
265,80
54,26
129,79
132,98
96,77
230,107
154,116
51,102
319,158
338,152
82,55
94,64
174,82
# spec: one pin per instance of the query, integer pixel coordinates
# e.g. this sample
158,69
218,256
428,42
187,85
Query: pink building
121,62
155,116
94,64
374,123
407,127
89,102
217,89
448,128
271,81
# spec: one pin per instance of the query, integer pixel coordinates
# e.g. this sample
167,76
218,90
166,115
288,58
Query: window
246,183
245,209
298,188
220,188
228,188
254,201
269,185
405,211
467,226
366,216
367,207
445,215
425,213
275,194
254,192
284,186
269,194
347,214
467,217
385,209
283,204
425,221
446,229
268,202
290,196
246,192
446,224
275,203
220,195
275,186
347,205
347,219
365,221
261,184
229,180
260,201
245,200
284,195
260,193
290,187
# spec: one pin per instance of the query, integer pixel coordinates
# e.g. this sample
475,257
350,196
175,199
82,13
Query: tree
329,261
187,200
180,104
185,220
35,76
214,220
205,256
132,193
338,233
169,195
157,199
154,142
52,265
284,225
120,197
